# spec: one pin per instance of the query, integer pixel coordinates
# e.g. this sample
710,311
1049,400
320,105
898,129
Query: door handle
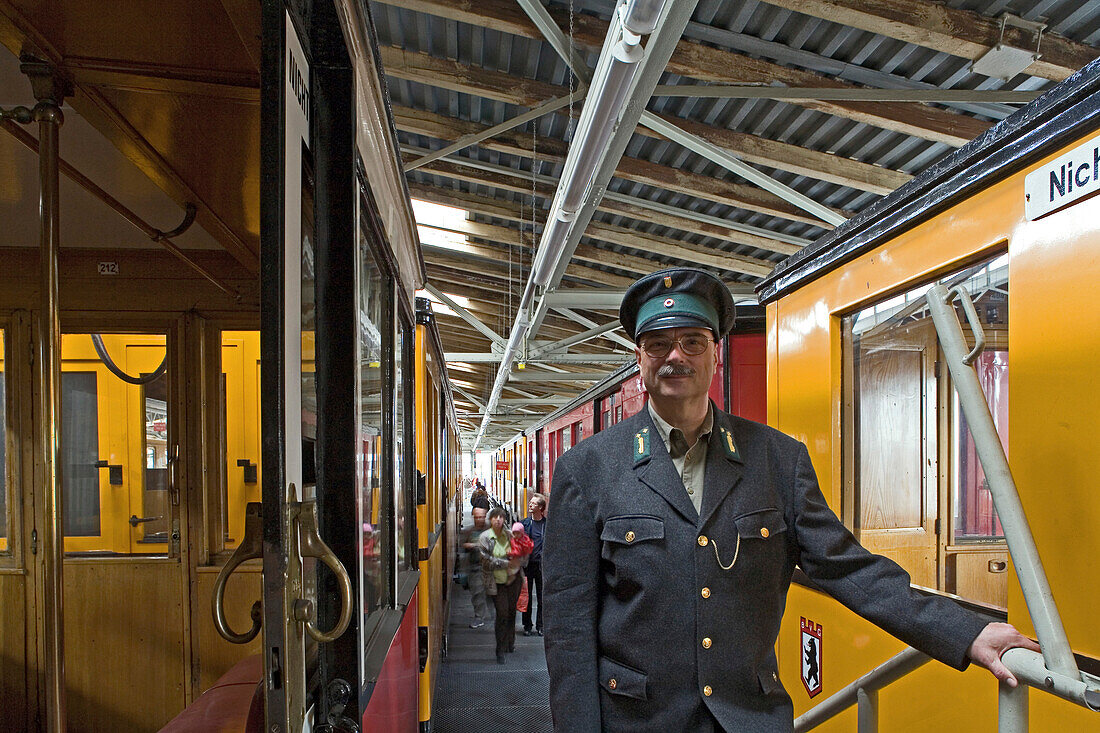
135,520
251,547
311,545
114,471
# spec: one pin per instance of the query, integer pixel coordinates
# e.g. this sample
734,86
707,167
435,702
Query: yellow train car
438,460
856,371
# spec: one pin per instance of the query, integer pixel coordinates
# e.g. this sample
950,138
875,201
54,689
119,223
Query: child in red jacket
521,544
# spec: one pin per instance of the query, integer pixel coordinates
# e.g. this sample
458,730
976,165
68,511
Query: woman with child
502,569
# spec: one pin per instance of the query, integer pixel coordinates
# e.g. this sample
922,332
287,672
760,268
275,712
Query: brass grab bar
311,545
251,548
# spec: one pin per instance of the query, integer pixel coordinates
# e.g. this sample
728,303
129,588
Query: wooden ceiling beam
961,33
737,195
619,235
691,59
751,148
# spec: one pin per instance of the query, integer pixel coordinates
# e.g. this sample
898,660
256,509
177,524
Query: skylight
439,226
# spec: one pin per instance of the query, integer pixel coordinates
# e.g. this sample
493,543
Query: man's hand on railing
994,640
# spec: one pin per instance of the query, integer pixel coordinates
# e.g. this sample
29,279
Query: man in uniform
674,535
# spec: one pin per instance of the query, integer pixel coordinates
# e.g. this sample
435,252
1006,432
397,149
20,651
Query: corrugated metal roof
758,30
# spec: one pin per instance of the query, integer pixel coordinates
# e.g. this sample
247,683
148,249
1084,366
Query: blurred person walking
502,577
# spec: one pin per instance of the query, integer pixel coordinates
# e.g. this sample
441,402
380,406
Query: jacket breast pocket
762,524
633,546
632,529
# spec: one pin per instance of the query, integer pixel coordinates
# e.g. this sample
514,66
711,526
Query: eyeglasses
692,345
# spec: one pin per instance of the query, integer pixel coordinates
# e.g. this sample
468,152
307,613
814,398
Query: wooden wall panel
13,640
213,654
124,653
147,281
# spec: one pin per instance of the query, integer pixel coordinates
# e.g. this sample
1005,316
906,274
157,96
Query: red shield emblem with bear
811,657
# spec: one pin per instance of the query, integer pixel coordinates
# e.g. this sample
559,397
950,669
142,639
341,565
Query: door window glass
115,447
374,544
80,476
239,434
918,492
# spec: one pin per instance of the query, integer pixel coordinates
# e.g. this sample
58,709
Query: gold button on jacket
764,532
705,593
612,683
707,690
703,540
630,536
706,642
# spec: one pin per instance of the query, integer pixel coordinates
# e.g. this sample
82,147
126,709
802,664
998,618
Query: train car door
309,376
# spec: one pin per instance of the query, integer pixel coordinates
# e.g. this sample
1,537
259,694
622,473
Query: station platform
474,693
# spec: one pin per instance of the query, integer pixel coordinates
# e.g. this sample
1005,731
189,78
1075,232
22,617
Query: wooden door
896,487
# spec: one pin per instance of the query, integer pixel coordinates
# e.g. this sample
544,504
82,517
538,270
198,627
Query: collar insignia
641,446
729,446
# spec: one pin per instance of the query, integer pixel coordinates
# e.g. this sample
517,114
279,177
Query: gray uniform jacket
642,621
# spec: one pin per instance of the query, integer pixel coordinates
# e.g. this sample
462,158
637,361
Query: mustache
676,370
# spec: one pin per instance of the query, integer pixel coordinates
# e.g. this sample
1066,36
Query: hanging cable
100,349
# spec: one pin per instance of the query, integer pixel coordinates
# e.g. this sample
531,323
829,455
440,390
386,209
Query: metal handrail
889,671
1054,671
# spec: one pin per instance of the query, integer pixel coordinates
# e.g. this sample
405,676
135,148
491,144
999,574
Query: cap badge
669,302
668,281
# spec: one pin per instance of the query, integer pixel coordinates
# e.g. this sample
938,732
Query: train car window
916,490
114,443
373,538
239,433
154,495
4,548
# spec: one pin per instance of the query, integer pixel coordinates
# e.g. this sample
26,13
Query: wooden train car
228,450
857,371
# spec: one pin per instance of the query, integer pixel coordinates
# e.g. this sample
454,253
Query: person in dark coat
672,538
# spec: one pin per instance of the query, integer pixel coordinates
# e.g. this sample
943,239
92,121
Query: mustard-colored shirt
690,461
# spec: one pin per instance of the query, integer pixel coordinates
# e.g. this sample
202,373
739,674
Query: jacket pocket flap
632,528
618,679
769,681
760,524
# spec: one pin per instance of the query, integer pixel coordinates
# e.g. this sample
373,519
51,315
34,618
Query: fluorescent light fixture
553,239
640,16
603,108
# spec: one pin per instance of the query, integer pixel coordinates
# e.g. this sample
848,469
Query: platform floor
477,695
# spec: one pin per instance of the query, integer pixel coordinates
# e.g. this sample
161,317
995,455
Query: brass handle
311,545
251,547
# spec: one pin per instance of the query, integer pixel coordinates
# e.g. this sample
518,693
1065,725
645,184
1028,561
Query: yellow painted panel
1054,328
852,647
240,365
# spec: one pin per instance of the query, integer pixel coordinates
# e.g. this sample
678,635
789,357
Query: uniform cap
676,298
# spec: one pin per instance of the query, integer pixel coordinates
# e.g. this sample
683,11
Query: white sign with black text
1063,181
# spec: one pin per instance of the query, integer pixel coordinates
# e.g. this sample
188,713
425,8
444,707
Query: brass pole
48,364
